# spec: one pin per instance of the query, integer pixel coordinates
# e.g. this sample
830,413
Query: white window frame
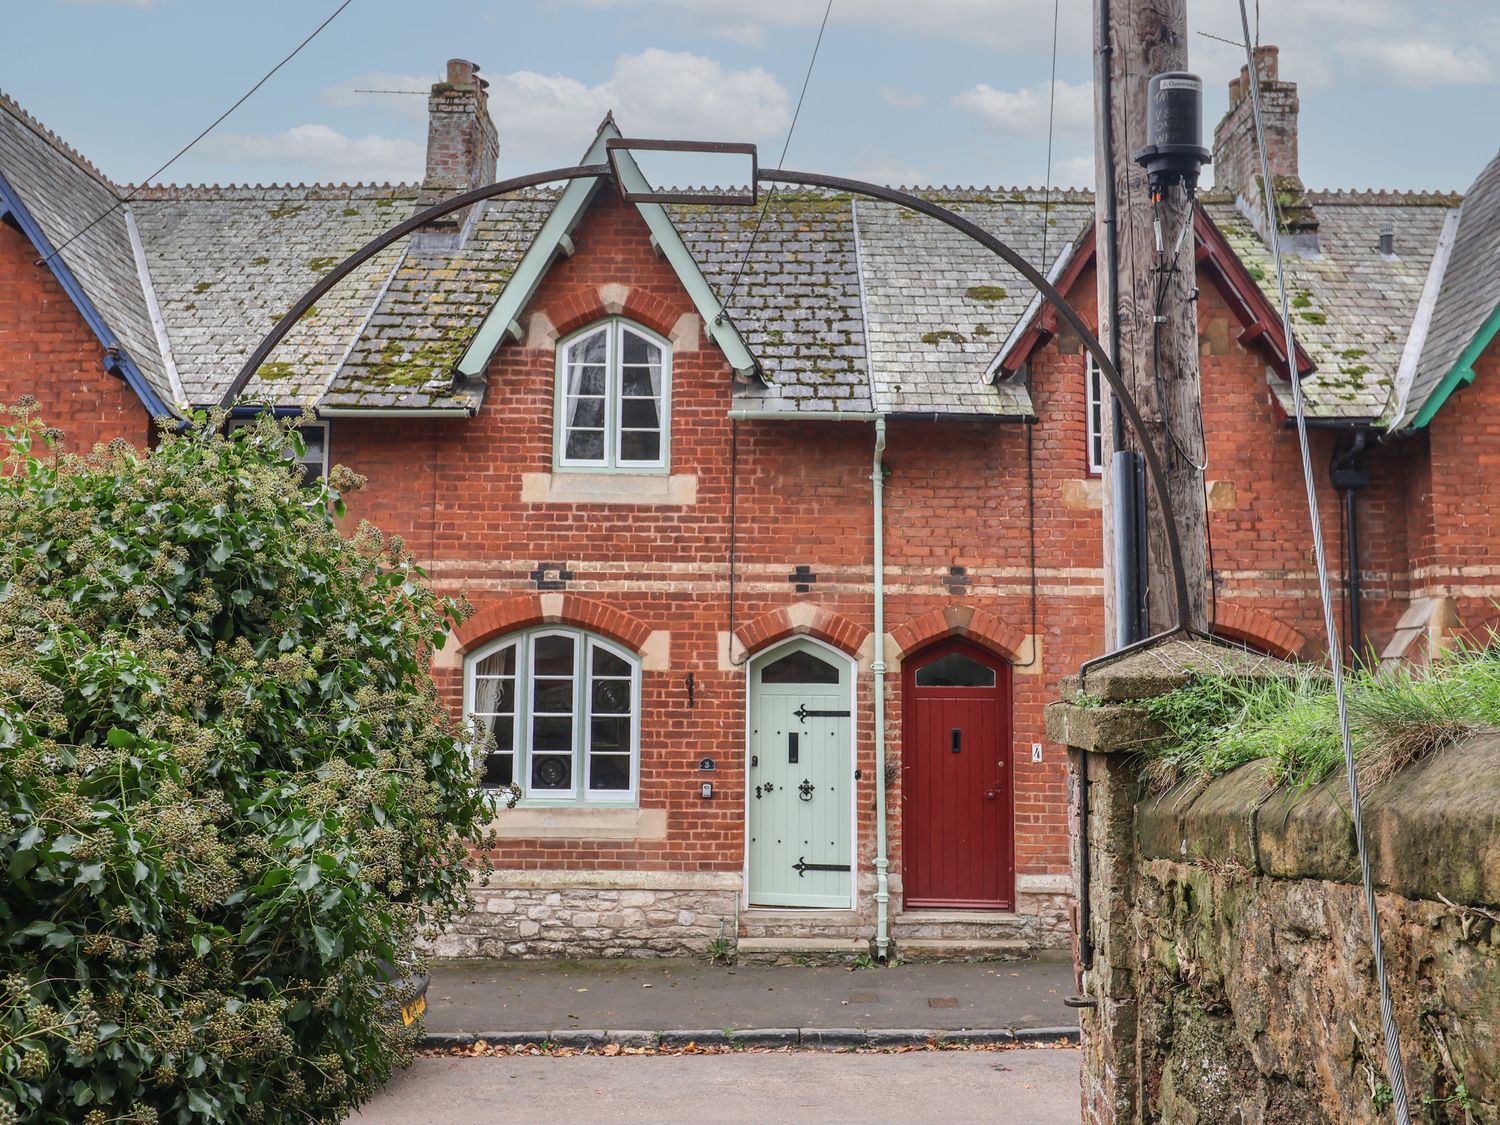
320,463
584,646
1093,416
615,327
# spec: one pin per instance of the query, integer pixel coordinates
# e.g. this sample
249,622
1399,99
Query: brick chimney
462,145
1237,159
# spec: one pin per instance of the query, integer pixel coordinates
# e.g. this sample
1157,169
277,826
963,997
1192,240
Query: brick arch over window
978,625
1259,630
802,619
525,610
586,305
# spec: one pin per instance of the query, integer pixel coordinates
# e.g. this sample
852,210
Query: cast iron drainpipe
1349,476
877,669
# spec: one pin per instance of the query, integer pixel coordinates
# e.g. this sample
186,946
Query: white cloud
401,94
1074,171
898,98
546,119
1013,26
883,168
316,152
1024,112
1422,65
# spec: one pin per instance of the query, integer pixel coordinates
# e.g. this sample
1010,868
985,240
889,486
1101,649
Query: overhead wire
780,163
1395,1069
133,192
1043,266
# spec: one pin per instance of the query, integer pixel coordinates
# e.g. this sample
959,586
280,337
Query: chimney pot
462,145
461,72
1234,90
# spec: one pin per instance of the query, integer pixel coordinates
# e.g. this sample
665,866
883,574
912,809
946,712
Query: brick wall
48,352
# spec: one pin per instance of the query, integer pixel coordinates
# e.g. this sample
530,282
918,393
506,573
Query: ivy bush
230,790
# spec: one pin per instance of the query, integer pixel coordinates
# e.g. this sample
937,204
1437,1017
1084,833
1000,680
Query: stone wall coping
1104,728
1164,667
1433,830
529,878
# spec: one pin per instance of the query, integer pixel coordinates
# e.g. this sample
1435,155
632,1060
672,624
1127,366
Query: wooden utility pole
1136,39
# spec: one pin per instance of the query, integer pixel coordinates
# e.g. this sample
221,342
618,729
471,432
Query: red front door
958,828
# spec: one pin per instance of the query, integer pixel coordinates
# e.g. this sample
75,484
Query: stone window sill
580,824
678,490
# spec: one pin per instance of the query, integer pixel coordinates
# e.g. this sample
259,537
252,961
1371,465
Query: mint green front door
801,778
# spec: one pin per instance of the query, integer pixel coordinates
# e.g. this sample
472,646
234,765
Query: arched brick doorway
958,809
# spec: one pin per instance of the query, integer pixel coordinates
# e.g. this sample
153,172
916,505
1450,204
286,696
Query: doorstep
803,950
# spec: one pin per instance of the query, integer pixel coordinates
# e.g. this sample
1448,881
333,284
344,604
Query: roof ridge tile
13,107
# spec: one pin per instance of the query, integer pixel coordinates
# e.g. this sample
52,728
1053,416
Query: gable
555,239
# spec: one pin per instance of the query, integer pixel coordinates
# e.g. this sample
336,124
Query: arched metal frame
804,179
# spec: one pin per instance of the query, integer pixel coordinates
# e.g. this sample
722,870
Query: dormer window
613,398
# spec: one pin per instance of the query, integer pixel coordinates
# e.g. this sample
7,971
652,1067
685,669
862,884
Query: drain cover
864,998
942,1001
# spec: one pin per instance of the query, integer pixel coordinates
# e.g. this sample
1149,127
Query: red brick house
751,558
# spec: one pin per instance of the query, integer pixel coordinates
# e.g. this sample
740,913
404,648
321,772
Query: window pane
609,771
589,349
611,697
800,667
585,413
640,445
494,695
607,663
499,769
552,697
640,350
585,445
586,380
551,771
552,735
955,670
639,414
502,727
642,381
501,662
610,734
552,656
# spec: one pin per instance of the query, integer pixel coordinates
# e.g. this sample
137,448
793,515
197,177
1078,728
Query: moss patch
1313,317
985,293
203,287
946,334
323,264
276,372
287,210
262,260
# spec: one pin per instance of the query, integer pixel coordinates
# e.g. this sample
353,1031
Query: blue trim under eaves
117,360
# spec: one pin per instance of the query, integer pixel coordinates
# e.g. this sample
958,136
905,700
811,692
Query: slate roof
227,263
1351,305
1469,294
64,193
849,307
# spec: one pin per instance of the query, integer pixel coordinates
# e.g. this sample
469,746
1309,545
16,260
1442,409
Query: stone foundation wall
533,914
1232,969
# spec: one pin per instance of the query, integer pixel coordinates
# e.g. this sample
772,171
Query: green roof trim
1462,372
555,238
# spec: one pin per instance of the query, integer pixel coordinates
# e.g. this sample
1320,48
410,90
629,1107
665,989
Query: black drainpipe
1349,472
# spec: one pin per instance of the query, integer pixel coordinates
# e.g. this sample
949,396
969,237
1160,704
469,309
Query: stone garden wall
1231,966
595,914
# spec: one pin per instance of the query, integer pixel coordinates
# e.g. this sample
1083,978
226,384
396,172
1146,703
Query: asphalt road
1034,1087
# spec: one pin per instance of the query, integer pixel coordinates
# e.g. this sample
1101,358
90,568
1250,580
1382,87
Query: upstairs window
1094,414
564,708
314,457
613,398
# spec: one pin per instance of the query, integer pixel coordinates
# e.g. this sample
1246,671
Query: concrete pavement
490,999
1035,1086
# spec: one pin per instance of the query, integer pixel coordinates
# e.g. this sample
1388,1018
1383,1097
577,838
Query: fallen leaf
610,1049
646,986
585,990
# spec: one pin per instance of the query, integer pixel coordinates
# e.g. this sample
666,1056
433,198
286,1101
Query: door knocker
806,789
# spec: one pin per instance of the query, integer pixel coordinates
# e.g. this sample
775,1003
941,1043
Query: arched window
613,398
564,708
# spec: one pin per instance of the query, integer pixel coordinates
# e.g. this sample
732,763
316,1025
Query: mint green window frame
526,709
615,331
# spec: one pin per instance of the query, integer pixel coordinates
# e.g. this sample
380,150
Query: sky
1400,94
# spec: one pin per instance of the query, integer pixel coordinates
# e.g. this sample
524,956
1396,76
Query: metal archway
805,179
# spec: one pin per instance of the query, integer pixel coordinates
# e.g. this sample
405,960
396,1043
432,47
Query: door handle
958,740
